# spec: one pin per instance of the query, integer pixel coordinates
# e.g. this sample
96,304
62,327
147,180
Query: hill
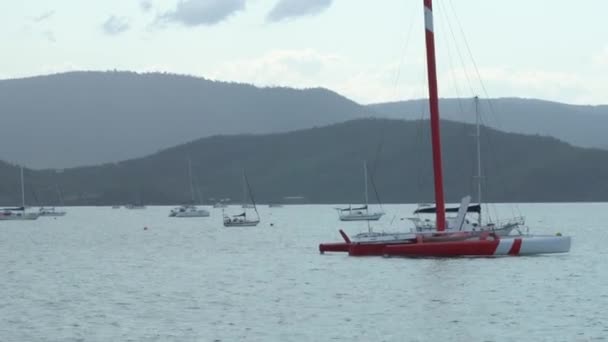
85,118
578,125
324,165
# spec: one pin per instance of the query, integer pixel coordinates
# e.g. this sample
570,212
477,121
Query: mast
365,183
191,182
478,140
434,107
22,190
244,190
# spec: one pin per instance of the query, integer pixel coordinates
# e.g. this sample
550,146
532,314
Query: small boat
135,206
222,203
9,214
50,211
18,213
241,220
361,213
189,211
275,205
115,207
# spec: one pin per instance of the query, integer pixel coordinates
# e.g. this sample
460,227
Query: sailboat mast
22,189
434,107
478,141
191,182
365,183
244,190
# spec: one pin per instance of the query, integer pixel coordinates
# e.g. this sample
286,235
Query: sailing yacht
440,241
361,213
502,227
242,220
52,211
18,213
190,210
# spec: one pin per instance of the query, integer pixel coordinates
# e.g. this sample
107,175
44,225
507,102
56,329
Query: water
97,275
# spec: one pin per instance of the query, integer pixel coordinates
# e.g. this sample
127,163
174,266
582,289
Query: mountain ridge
324,165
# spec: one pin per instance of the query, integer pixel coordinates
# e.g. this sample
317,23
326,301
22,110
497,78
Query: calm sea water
97,275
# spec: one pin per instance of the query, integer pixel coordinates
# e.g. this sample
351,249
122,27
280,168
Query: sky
368,51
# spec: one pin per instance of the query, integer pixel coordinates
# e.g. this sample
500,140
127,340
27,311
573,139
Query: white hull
241,224
361,217
197,213
533,244
53,214
18,217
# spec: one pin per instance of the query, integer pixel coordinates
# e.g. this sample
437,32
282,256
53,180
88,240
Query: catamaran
361,213
439,241
190,210
18,213
241,220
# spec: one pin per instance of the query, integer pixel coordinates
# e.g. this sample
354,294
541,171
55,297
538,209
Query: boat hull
363,217
519,245
53,214
241,224
198,213
453,245
19,217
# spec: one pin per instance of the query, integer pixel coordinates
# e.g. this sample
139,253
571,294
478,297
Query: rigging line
457,88
449,52
464,66
250,193
404,52
491,107
483,87
395,85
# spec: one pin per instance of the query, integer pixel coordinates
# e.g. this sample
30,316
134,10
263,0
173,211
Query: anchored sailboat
52,211
440,241
242,220
19,213
361,213
189,210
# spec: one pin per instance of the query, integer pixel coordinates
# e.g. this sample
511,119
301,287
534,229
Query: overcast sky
369,51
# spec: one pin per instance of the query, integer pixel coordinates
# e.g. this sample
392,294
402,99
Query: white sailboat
242,220
189,210
501,228
360,213
19,213
52,211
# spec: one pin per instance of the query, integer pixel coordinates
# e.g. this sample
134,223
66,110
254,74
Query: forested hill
86,118
324,165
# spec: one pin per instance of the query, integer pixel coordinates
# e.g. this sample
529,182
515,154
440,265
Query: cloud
202,12
308,68
289,9
44,16
115,25
601,58
49,35
145,5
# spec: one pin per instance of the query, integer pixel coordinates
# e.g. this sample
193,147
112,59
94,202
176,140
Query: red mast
434,105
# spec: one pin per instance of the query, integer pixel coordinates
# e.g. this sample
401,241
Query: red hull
333,247
443,249
368,249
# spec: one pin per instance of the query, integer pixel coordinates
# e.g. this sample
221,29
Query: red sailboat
442,243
